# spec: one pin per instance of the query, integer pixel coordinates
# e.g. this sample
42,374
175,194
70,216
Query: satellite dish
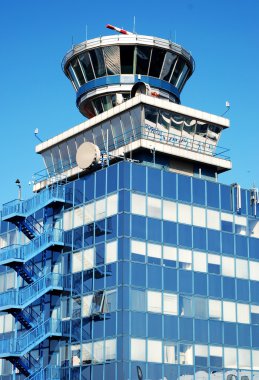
87,154
140,88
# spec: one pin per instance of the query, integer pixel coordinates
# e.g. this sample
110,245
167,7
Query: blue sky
222,36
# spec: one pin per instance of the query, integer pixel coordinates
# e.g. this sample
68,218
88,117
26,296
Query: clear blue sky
222,36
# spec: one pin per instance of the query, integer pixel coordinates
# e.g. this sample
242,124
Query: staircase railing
23,253
25,342
19,299
29,206
49,372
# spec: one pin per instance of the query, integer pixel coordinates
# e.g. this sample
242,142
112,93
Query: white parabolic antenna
87,154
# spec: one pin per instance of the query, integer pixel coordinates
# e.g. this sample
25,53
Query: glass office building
138,264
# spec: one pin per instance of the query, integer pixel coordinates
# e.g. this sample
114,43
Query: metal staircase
19,302
15,349
20,299
19,210
15,254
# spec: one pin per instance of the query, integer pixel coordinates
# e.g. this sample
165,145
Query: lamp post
18,183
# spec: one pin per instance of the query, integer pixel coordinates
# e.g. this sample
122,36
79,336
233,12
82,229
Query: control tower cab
107,71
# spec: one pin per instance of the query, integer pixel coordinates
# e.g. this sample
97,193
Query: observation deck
103,70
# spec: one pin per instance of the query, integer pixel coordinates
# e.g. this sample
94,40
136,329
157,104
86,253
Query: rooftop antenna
86,32
36,131
227,108
134,24
72,42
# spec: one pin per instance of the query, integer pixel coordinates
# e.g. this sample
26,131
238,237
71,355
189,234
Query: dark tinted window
126,56
168,66
143,57
156,62
177,71
87,67
98,62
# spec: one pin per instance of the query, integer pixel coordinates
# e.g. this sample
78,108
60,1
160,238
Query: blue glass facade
159,279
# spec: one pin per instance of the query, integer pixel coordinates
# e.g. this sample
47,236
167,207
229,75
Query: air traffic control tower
131,261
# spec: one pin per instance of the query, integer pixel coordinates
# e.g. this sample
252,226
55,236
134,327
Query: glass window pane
143,57
185,259
186,354
169,253
112,205
87,305
110,349
138,300
170,353
170,304
98,62
138,247
215,309
78,217
153,207
154,351
154,302
156,62
100,209
98,354
200,261
89,213
169,210
229,311
199,216
230,358
126,57
254,270
242,268
138,204
77,263
138,349
228,266
112,59
213,220
111,252
154,250
184,213
87,67
88,258
168,66
243,313
177,71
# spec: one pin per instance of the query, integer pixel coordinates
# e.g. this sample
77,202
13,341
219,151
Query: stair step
20,365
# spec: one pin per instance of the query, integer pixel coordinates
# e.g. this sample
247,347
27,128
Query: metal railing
206,147
28,207
23,344
19,299
49,372
23,253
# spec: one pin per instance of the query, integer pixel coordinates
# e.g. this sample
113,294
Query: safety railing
27,207
23,253
19,299
49,372
25,342
203,145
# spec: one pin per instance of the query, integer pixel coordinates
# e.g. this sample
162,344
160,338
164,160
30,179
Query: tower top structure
104,71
